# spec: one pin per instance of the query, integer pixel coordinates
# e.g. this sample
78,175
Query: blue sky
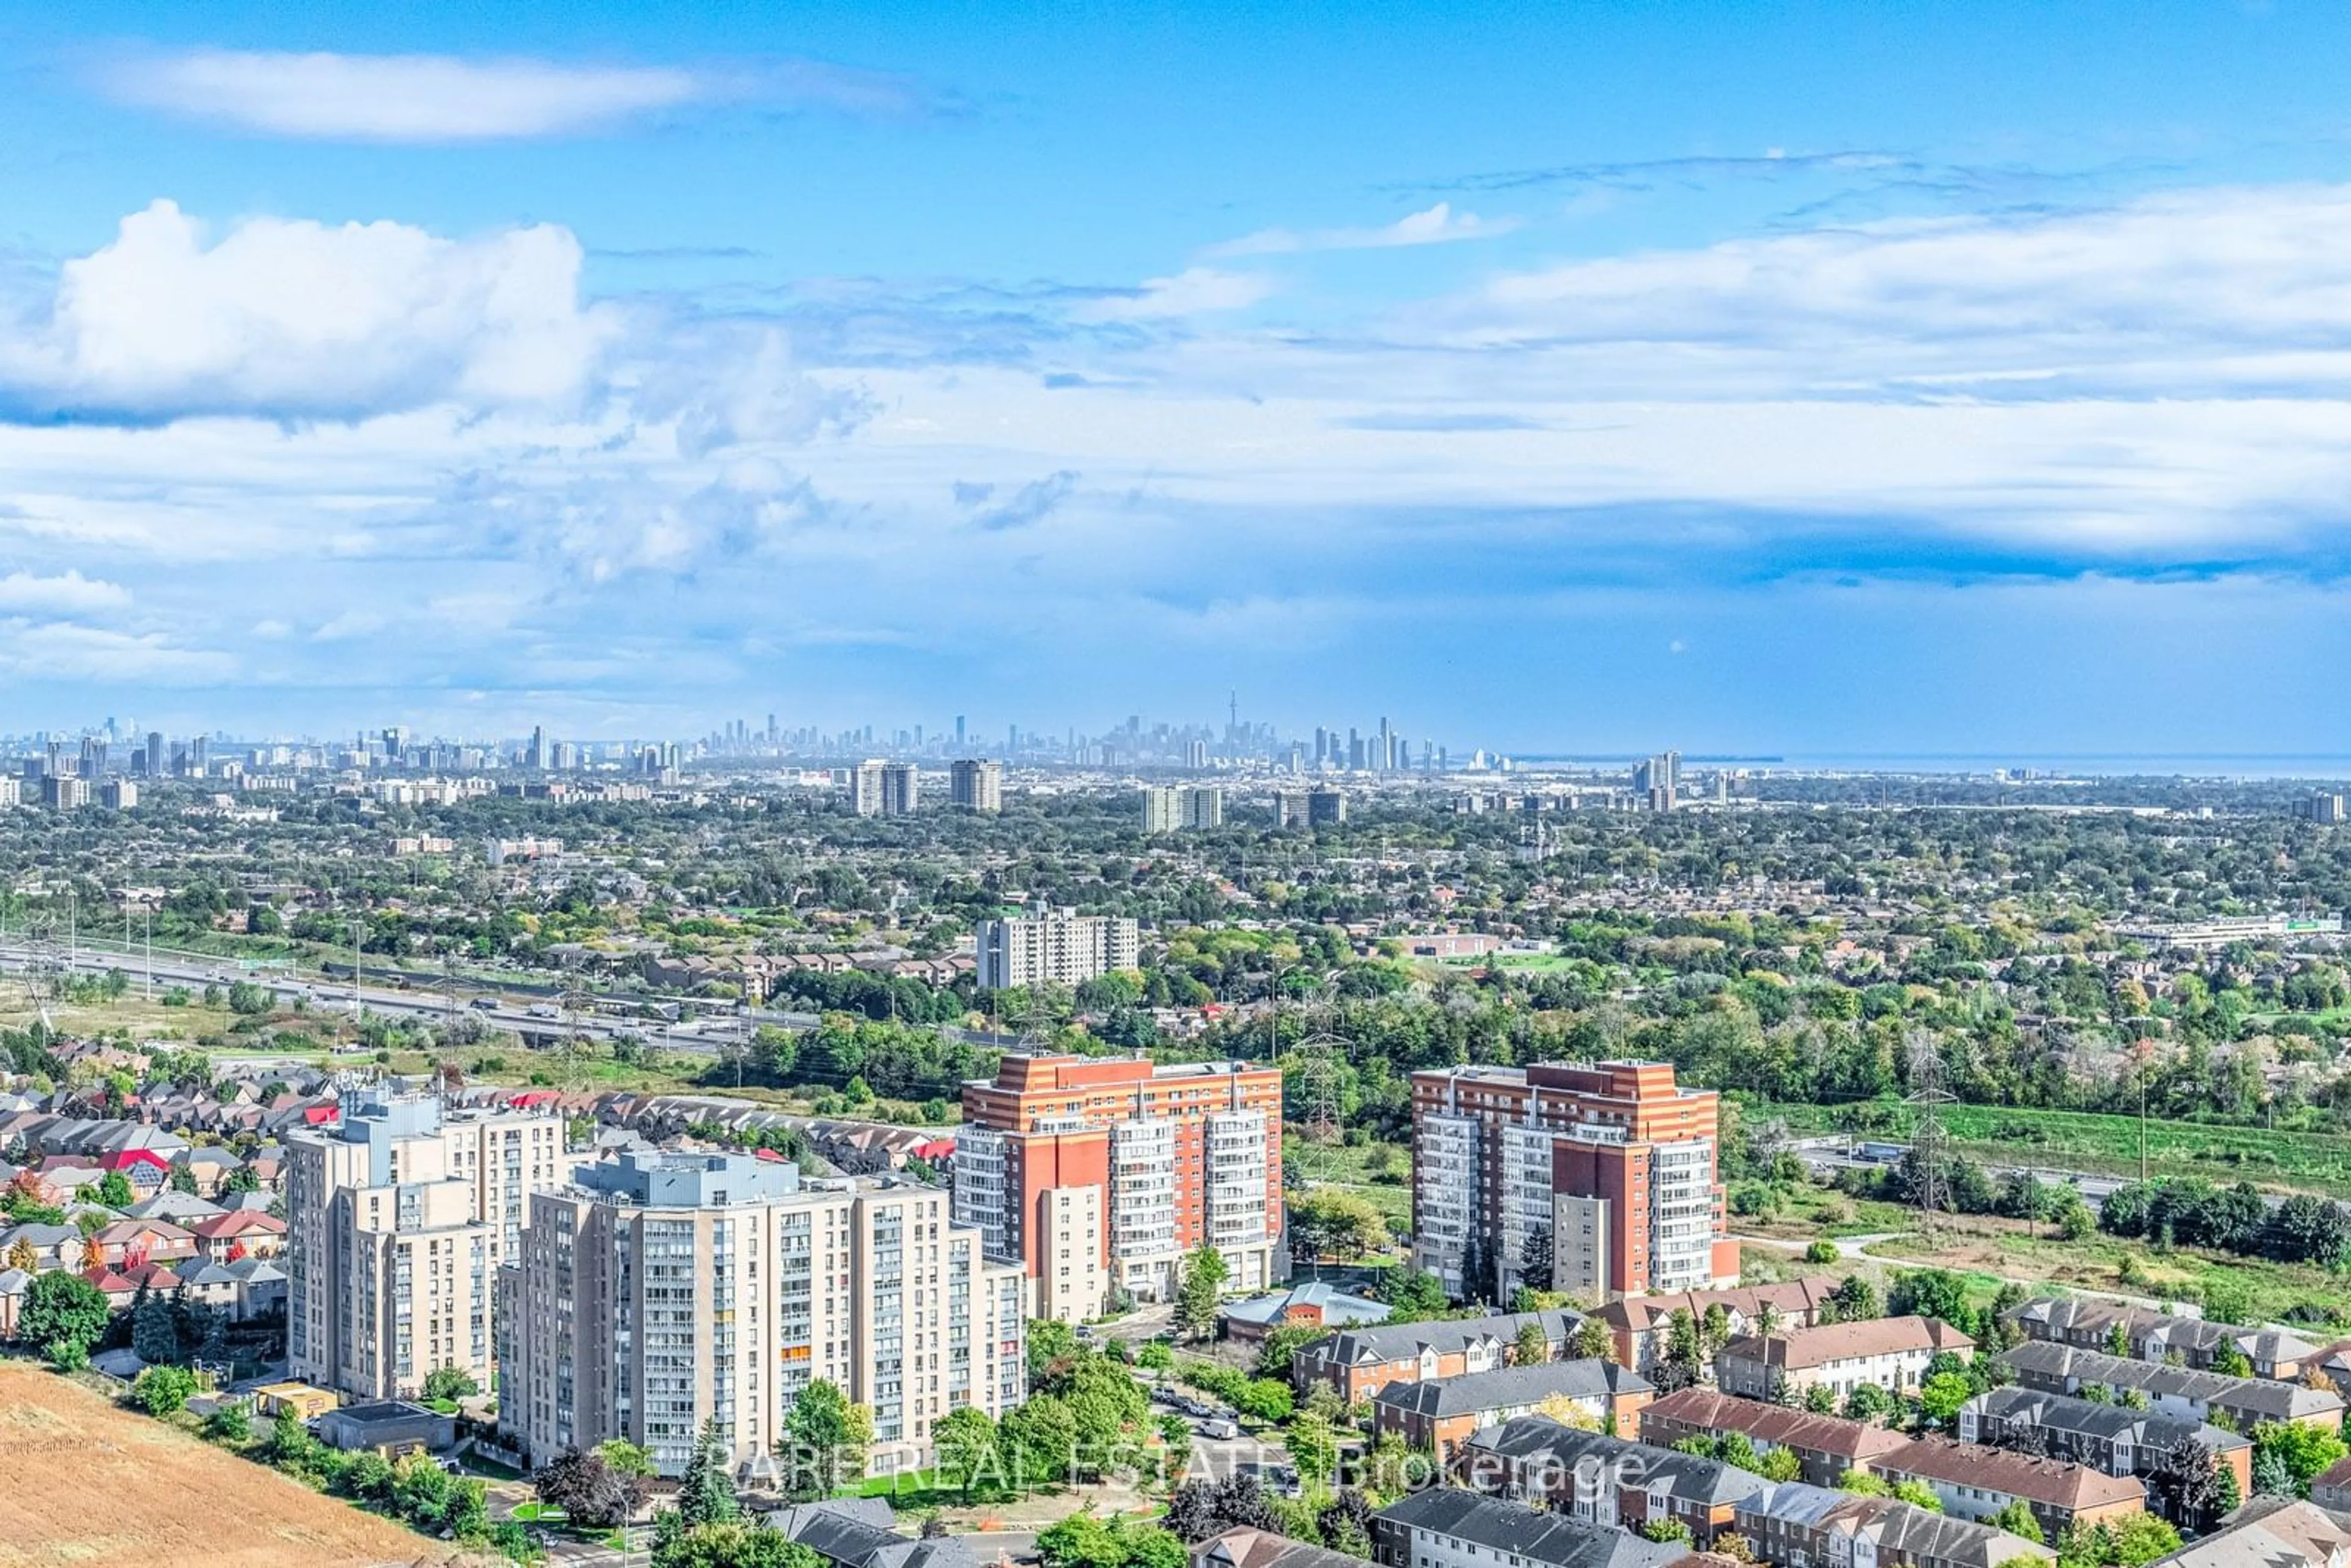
1768,379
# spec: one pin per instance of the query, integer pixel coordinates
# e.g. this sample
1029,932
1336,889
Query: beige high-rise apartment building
397,1218
1161,807
658,1291
865,787
1204,807
977,785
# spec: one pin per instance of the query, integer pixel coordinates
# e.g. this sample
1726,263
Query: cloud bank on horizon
1543,462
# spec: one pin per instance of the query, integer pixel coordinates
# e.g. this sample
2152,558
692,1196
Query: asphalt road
536,1023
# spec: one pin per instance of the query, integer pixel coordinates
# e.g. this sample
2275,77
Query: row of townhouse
1887,1353
1828,1447
1446,1527
1974,1482
1603,1479
1597,1477
1356,1364
1791,1524
2247,1402
1795,1524
2113,1438
1640,1324
1442,1415
2089,1324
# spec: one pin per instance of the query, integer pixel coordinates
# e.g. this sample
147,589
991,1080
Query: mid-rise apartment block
658,1291
397,1218
1060,946
1161,807
977,785
1595,1180
1203,806
1099,1176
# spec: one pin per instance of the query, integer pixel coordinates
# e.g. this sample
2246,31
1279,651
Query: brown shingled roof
1782,1426
2051,1482
1797,1349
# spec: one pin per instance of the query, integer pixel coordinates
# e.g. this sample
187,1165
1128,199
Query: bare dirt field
93,1486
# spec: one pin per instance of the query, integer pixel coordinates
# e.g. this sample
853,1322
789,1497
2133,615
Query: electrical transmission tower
1927,1148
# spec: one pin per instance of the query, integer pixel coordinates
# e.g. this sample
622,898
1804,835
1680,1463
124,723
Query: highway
535,1022
539,1022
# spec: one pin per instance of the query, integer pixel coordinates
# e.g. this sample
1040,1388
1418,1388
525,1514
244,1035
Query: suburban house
1639,1323
2331,1488
129,1242
14,1284
1445,1527
1443,1415
1313,1305
858,1532
2110,1437
1602,1479
239,1233
2270,1533
37,1248
246,1290
2160,1336
208,1168
1891,1353
2173,1390
1827,1446
1245,1548
1976,1482
1798,1525
1356,1364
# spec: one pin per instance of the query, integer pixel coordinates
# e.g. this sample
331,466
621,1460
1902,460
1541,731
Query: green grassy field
2079,1140
1355,1167
1997,1248
1525,963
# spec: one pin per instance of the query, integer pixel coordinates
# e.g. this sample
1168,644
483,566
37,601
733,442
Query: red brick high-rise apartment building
1099,1174
1597,1180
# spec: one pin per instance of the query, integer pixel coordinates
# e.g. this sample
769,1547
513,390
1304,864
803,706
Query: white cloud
1439,225
289,319
2170,293
393,97
70,593
1194,291
445,98
64,650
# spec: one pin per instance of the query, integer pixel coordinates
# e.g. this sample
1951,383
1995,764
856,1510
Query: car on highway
483,1004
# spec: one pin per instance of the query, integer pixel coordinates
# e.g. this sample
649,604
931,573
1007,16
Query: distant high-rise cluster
2322,806
1382,751
1657,780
